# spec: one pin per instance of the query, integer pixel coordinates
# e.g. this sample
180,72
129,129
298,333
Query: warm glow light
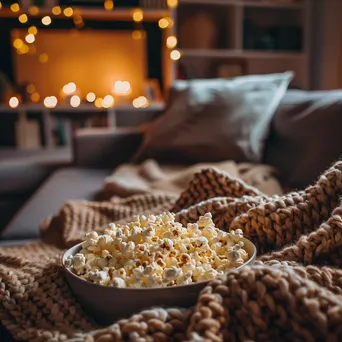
171,42
172,3
69,88
75,101
91,97
23,49
108,5
175,55
30,38
121,88
140,102
46,20
108,101
23,18
68,12
138,34
30,88
35,97
32,30
18,43
50,102
98,102
34,10
78,20
13,102
56,10
138,15
0,5
165,22
15,7
43,57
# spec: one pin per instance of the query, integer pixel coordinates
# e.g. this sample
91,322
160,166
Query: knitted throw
292,293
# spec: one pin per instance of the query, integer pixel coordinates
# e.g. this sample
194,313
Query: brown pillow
214,120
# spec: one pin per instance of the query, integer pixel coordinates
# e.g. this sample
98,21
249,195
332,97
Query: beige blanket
150,176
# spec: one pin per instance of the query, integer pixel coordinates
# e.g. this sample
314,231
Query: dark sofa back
306,136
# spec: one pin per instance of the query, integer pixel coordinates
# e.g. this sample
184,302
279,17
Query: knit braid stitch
293,294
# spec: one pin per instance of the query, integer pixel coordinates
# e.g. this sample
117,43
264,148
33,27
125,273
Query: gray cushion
215,120
61,186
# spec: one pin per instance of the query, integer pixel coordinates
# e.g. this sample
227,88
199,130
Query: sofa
305,137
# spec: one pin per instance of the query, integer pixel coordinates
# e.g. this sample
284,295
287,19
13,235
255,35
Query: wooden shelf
265,4
124,14
203,53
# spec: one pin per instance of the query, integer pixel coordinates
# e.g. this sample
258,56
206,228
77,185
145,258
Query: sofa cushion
215,120
63,185
306,136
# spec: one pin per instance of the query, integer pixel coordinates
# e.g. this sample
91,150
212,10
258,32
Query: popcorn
156,251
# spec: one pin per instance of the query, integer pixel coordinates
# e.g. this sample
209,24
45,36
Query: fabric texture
215,120
130,179
305,136
292,293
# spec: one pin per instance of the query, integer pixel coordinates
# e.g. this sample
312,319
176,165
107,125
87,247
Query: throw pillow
215,120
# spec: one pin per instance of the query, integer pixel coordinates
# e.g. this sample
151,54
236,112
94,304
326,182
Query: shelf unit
230,16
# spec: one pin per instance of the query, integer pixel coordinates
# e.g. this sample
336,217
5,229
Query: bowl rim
78,245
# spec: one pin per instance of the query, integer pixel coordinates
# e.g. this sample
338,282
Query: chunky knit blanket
292,293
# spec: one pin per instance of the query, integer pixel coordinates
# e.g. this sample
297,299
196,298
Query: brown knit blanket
292,293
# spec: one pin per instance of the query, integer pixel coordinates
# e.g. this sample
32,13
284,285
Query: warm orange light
172,3
108,5
30,38
34,10
138,15
23,49
43,57
32,30
171,42
75,101
138,34
108,101
15,7
35,97
68,12
140,102
50,102
91,97
18,43
175,55
23,18
0,5
56,10
30,88
165,22
98,102
46,20
13,102
69,88
121,88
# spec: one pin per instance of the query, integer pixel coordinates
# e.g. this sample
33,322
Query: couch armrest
105,148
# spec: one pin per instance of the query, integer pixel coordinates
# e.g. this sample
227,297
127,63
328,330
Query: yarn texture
292,293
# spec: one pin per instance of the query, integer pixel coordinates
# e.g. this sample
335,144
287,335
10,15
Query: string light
91,97
32,30
108,5
69,88
13,102
0,5
46,20
121,88
18,43
175,55
30,38
68,12
171,42
138,15
75,101
56,10
43,57
50,102
30,88
163,23
34,10
35,97
15,7
138,34
140,102
98,102
23,18
108,101
172,3
23,49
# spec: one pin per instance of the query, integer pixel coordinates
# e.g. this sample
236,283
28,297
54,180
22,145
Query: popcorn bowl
107,304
